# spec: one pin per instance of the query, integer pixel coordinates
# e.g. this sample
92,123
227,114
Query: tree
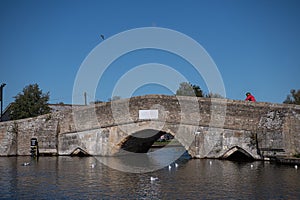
197,90
114,98
95,102
187,89
293,98
30,103
214,95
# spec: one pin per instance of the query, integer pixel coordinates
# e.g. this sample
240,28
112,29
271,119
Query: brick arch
79,152
142,140
238,153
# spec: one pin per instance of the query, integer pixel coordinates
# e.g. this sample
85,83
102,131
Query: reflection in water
74,178
142,163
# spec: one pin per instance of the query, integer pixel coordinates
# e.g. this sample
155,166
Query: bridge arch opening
79,152
237,154
142,141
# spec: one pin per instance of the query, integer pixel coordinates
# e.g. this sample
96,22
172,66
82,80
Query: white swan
26,164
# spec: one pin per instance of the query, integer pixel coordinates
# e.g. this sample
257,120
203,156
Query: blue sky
255,44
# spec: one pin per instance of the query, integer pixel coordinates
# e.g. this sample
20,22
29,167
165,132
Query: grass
174,142
161,143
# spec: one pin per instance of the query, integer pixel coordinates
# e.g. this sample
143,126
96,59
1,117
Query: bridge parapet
247,125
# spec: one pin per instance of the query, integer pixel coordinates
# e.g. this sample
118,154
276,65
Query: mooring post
34,147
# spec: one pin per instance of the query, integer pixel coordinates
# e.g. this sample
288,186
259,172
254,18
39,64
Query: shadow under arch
134,154
141,141
79,152
237,153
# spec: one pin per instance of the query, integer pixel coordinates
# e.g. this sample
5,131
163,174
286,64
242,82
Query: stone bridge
207,128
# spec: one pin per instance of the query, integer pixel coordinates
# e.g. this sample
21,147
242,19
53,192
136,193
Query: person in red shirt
250,97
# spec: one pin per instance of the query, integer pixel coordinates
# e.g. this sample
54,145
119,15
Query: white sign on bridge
148,114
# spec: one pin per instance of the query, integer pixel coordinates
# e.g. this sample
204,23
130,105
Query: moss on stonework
297,155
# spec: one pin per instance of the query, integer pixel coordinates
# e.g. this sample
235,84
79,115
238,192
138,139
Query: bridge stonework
256,129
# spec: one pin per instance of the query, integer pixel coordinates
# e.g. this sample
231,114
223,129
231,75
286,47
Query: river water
75,178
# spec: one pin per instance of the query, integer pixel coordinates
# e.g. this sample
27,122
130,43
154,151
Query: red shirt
250,98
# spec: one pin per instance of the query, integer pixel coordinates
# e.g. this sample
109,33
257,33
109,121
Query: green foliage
114,98
187,89
214,95
197,90
293,98
95,102
30,103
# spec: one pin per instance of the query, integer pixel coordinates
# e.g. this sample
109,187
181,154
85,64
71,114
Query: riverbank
161,146
168,143
286,160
